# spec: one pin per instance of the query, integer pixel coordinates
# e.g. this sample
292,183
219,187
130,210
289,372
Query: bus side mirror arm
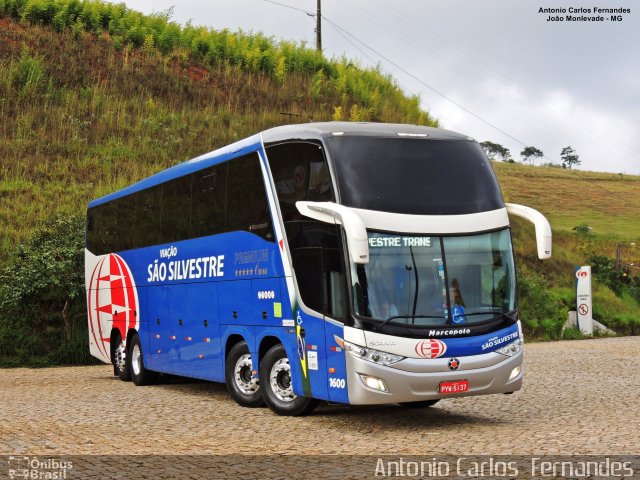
543,229
329,212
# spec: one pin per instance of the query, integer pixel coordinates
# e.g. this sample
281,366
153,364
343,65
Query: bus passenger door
317,263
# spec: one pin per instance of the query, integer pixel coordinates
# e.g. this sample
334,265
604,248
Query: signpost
583,299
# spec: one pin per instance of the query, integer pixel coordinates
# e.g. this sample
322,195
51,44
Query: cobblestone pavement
579,397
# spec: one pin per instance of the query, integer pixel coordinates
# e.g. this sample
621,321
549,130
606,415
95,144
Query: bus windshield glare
423,281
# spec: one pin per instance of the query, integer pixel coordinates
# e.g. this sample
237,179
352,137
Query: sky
495,70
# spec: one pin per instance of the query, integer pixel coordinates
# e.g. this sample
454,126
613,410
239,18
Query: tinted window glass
317,262
247,206
149,216
176,209
107,234
300,172
96,227
208,201
228,196
414,176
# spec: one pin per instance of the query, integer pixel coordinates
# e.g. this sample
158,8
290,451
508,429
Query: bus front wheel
139,373
242,384
277,387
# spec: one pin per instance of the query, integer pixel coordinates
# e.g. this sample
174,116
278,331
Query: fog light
374,383
514,373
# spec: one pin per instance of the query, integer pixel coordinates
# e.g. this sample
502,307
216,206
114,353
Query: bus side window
300,172
176,210
318,265
247,205
108,232
93,229
149,208
127,224
208,201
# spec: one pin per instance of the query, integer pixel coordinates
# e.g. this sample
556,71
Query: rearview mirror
329,212
543,229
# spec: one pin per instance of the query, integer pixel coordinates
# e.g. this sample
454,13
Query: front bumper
413,380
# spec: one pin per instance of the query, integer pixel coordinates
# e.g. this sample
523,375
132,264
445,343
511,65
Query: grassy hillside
609,203
94,97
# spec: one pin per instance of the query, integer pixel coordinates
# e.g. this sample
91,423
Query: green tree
569,157
529,154
43,286
495,150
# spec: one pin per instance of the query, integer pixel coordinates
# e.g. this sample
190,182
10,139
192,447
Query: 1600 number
337,382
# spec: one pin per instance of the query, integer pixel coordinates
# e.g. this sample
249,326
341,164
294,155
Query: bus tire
277,388
121,359
242,385
419,404
140,375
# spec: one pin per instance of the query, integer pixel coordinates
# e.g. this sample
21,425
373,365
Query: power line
311,14
352,44
406,72
345,34
578,128
422,82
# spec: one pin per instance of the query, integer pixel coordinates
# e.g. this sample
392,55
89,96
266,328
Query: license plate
459,386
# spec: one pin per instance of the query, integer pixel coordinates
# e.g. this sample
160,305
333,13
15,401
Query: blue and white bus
347,262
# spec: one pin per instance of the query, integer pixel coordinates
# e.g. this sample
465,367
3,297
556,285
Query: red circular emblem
112,302
432,348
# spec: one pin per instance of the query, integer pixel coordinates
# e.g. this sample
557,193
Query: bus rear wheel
277,386
242,384
139,373
121,359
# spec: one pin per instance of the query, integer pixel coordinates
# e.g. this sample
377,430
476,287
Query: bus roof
318,130
305,131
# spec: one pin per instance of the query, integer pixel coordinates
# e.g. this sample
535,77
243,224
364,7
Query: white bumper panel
486,374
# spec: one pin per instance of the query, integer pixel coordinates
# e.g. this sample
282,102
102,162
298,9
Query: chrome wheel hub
136,360
243,375
121,356
280,380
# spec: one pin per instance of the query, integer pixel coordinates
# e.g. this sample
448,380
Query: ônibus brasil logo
432,348
112,300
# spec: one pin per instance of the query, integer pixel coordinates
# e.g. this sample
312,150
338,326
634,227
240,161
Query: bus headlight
511,349
374,383
371,355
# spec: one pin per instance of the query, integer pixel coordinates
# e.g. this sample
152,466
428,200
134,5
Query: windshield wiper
379,326
512,315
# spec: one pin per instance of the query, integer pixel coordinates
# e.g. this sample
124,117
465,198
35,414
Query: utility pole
319,29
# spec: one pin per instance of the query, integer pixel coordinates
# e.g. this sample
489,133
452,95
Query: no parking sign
583,299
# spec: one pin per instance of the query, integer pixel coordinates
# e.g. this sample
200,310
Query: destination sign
387,241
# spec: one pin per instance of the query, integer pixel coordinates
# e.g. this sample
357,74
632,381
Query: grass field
607,202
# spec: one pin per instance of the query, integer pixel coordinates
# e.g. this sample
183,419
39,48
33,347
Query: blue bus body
190,301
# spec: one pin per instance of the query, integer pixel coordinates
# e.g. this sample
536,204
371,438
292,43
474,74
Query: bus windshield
436,177
435,281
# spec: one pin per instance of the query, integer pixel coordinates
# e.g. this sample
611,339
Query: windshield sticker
312,358
376,242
